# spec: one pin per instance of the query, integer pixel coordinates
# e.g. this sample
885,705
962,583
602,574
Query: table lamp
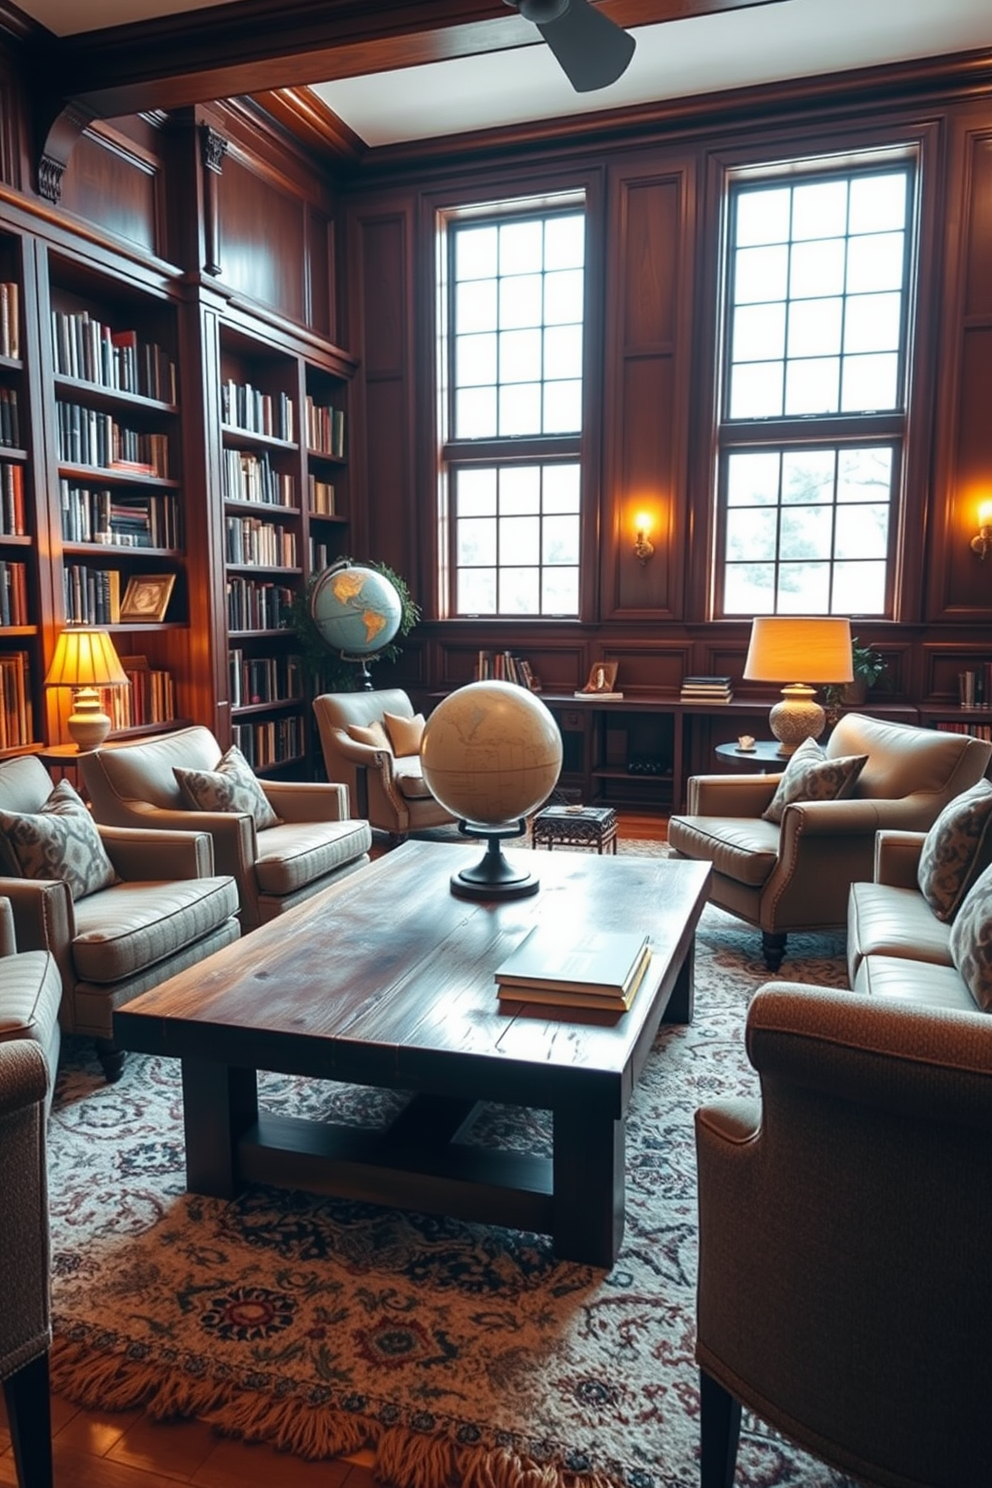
85,660
816,647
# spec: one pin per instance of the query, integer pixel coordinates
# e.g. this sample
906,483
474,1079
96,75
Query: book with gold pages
602,968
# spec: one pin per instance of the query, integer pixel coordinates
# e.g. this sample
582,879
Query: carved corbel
70,122
213,148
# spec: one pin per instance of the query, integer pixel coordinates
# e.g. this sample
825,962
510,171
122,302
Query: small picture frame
602,677
146,597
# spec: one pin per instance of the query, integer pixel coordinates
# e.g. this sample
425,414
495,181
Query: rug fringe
403,1458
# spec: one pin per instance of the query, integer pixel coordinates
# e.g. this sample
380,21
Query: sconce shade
85,659
816,648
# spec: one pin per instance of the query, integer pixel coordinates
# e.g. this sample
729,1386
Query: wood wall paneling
117,186
262,239
978,281
967,578
320,275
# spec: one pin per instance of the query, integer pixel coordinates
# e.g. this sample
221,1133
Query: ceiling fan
591,50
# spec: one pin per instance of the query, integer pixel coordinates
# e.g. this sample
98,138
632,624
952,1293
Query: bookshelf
327,494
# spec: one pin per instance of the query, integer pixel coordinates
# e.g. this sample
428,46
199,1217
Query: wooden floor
124,1449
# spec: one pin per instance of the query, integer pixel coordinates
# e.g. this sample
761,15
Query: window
814,390
512,412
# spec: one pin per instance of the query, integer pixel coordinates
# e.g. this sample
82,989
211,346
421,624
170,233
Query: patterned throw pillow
971,940
958,847
811,775
60,841
231,787
405,734
370,733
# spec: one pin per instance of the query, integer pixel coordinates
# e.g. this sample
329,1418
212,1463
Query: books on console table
603,969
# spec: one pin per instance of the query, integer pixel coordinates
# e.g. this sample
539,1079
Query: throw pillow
405,734
372,733
232,787
60,841
971,940
957,848
811,776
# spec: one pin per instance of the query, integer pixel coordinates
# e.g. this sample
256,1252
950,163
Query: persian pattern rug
459,1354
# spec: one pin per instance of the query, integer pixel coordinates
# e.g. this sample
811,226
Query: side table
763,756
576,826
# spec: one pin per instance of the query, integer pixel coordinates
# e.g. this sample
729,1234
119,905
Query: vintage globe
491,753
356,610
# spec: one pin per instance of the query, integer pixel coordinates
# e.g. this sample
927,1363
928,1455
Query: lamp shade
799,648
85,658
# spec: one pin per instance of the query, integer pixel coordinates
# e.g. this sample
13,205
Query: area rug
459,1354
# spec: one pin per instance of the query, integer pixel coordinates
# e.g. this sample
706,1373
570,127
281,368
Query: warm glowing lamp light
85,660
816,647
643,547
982,540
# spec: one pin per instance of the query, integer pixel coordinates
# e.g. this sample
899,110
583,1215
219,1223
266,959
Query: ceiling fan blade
591,50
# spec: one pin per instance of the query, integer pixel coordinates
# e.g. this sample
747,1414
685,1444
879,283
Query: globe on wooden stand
491,754
357,612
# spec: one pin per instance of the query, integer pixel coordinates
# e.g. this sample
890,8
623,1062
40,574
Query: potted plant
326,670
868,667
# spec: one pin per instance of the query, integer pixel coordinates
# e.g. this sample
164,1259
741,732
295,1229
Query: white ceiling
763,44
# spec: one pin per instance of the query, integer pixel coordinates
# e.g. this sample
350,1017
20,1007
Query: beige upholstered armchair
280,841
120,910
30,990
844,1293
795,875
385,783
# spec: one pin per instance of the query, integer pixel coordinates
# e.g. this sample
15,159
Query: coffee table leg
219,1105
681,1004
588,1188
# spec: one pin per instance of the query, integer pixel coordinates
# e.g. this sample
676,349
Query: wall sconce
643,548
982,540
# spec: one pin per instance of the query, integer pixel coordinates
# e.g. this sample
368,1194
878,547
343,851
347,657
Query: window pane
751,533
560,591
749,589
819,210
520,408
476,305
870,383
475,360
756,390
520,488
862,531
520,301
561,540
817,269
521,246
814,328
561,488
806,532
563,297
864,475
563,352
859,589
519,591
476,591
875,262
475,413
808,476
565,242
873,323
477,493
562,407
761,274
759,332
763,217
476,541
519,356
811,386
519,540
803,588
752,479
877,203
476,253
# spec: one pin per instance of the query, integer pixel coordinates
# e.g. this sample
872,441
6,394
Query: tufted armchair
156,907
843,1291
310,845
385,785
30,990
795,875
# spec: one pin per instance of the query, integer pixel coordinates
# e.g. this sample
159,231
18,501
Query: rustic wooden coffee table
386,979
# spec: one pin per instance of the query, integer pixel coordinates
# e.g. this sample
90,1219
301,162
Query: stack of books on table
601,969
706,690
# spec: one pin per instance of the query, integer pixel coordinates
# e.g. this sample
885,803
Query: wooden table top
386,978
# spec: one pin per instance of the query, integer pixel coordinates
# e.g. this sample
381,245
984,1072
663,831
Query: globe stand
364,675
493,876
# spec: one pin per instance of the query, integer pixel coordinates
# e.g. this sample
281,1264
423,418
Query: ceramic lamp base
88,725
796,718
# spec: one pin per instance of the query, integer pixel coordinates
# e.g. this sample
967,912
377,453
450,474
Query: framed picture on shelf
146,597
602,677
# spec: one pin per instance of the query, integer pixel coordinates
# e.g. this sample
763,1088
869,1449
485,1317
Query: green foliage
868,667
325,669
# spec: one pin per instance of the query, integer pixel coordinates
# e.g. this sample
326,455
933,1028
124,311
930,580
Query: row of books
269,742
706,689
252,540
12,518
150,696
87,436
10,320
86,348
14,594
119,519
976,730
249,477
16,714
254,604
264,679
596,969
975,687
321,497
10,418
325,429
503,666
321,556
92,596
244,406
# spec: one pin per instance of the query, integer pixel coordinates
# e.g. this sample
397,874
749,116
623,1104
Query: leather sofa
30,990
312,845
384,786
795,875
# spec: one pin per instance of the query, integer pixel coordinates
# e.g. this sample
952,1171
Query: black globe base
364,675
494,876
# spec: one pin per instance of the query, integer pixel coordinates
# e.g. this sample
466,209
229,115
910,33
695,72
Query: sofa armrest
897,858
306,801
729,795
43,914
24,1076
147,856
367,755
8,931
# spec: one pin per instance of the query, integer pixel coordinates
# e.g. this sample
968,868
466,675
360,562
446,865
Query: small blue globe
356,610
